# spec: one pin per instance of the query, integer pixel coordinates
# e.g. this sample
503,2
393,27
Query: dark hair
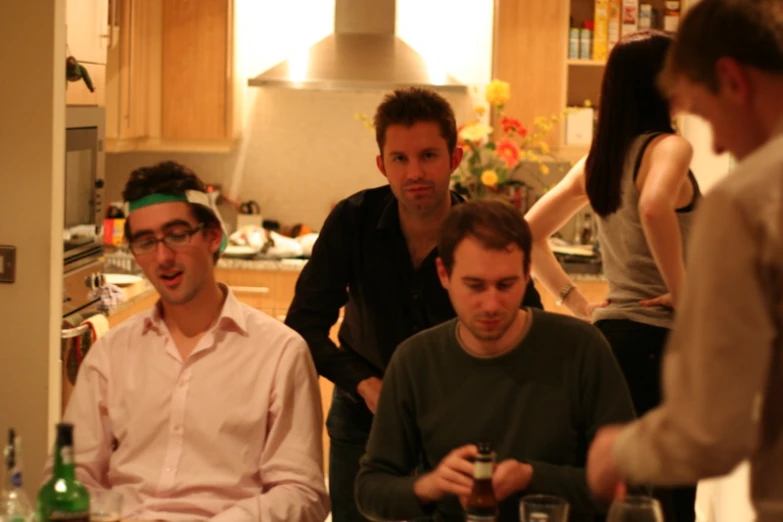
168,177
494,223
413,105
630,105
749,31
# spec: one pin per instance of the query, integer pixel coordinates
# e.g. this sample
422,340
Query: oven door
84,180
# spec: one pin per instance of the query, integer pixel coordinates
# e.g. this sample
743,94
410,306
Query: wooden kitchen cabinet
531,39
171,78
88,37
531,53
87,24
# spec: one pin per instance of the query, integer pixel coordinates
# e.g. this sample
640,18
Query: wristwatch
564,293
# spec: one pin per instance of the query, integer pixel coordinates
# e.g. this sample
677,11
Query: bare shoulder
671,146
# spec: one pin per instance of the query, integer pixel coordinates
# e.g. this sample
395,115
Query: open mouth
171,279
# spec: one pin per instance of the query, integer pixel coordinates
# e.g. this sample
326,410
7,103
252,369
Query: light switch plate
7,264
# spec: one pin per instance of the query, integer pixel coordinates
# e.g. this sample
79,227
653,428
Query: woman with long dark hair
637,180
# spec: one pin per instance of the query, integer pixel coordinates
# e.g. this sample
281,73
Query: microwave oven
85,160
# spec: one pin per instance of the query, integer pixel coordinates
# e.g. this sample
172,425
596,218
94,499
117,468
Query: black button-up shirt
361,260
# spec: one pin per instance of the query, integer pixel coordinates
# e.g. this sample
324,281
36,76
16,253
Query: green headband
154,199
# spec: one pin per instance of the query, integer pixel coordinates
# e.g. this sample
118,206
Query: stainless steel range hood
363,53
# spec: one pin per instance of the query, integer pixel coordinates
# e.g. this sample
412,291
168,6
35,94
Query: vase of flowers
499,163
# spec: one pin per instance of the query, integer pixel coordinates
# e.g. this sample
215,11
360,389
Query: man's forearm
386,497
280,504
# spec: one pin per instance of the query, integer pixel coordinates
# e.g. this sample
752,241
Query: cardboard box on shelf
630,22
601,31
579,126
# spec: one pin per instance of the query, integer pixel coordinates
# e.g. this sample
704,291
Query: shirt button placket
176,431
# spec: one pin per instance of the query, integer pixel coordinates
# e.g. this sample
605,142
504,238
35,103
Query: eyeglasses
174,239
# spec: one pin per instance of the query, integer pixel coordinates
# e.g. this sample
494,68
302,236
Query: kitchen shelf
587,63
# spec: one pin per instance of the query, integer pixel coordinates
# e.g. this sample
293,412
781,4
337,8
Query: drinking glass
543,508
105,506
635,508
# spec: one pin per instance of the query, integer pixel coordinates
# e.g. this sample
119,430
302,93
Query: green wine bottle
63,497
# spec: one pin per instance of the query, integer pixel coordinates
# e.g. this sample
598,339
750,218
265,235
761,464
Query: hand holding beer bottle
453,476
482,504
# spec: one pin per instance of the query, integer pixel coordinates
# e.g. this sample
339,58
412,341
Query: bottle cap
65,434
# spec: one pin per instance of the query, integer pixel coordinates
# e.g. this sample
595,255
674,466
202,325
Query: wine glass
543,508
635,508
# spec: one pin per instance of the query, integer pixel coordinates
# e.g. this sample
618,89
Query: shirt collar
231,316
390,215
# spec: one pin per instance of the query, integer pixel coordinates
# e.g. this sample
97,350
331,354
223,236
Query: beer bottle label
482,470
66,454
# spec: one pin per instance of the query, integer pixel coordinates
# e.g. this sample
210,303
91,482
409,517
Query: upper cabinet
88,38
529,55
171,78
532,54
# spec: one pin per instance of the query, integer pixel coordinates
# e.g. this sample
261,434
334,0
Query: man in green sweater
535,385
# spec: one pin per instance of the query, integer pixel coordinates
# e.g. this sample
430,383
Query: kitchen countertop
140,296
286,265
261,264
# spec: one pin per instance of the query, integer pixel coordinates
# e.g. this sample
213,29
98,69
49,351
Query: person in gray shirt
535,385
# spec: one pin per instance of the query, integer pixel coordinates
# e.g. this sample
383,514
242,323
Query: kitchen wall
32,148
708,167
302,151
305,151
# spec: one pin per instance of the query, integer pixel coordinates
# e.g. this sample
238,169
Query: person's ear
733,80
443,274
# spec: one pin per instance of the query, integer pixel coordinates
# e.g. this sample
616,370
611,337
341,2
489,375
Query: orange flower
512,125
508,150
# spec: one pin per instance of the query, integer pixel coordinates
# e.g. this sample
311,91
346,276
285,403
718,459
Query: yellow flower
498,92
489,178
480,110
543,147
544,169
475,132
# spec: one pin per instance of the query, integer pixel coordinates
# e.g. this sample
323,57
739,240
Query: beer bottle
482,505
63,497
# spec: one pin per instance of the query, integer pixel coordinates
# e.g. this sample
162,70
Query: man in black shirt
375,255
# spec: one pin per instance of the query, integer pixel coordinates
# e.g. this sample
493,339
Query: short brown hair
413,105
168,177
749,31
494,223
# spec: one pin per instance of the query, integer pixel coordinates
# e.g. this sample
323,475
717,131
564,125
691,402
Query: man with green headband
202,408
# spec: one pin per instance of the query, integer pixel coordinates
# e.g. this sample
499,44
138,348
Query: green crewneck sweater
540,403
